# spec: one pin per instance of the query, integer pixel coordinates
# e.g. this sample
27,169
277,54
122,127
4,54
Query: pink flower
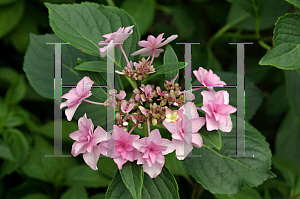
153,149
86,141
76,95
148,91
185,132
215,105
208,78
173,116
152,44
121,95
124,151
126,107
114,39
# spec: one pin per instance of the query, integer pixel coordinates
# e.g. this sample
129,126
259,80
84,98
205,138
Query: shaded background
28,117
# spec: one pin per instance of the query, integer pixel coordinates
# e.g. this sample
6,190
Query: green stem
111,3
145,129
264,45
194,191
132,83
219,34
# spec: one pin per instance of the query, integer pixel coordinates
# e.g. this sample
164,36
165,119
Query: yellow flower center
173,117
152,44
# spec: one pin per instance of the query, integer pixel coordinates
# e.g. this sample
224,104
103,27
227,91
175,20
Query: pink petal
75,135
154,137
151,39
211,123
91,159
77,148
207,109
71,110
100,135
208,96
227,128
168,40
182,149
197,140
157,52
169,144
144,43
197,124
142,51
120,161
153,171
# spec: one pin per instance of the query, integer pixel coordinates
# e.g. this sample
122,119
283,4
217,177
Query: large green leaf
221,174
247,192
169,57
175,166
286,44
271,10
10,15
173,66
39,63
292,83
93,66
19,147
83,175
288,138
296,3
164,186
132,176
82,25
142,11
213,137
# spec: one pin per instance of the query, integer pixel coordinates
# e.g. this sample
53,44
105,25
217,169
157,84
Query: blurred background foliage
26,119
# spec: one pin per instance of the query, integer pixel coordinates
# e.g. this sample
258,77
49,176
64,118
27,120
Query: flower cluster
150,105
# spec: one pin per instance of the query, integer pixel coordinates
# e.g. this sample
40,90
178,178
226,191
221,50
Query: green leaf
286,44
288,138
164,186
39,63
288,169
93,66
16,116
48,169
247,192
8,76
169,57
117,189
14,13
132,176
16,91
271,10
250,6
36,196
175,166
169,67
5,152
214,137
4,2
292,83
83,175
76,192
142,11
295,3
19,147
277,102
221,174
82,25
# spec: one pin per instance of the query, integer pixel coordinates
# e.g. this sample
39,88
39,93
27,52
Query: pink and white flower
185,132
76,95
208,78
215,105
153,149
114,39
86,141
123,148
152,45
